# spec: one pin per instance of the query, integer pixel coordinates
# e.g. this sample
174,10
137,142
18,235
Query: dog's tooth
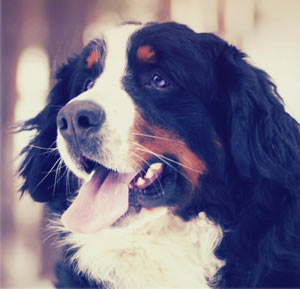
157,167
140,182
149,174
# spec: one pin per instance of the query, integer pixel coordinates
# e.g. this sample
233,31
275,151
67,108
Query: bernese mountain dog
168,161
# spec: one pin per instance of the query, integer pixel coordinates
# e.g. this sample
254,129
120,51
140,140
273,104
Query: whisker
170,160
56,173
144,161
54,105
64,173
158,137
184,166
58,170
53,151
48,173
49,150
68,191
42,148
162,158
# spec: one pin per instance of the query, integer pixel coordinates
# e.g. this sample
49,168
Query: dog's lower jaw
153,249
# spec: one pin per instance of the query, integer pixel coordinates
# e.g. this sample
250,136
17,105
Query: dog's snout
80,118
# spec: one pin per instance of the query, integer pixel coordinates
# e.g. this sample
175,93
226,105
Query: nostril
62,121
62,124
92,117
84,122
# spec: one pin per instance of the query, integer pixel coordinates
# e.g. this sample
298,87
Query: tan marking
163,142
93,58
146,54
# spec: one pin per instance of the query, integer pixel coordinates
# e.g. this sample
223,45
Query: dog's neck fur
153,249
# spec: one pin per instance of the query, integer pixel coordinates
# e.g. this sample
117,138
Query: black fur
253,186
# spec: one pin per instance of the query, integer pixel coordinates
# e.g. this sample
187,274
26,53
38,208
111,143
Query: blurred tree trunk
10,22
164,10
66,23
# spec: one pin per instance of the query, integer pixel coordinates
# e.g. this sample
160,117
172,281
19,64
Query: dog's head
155,115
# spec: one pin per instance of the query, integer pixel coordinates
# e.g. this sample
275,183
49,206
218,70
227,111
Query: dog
168,161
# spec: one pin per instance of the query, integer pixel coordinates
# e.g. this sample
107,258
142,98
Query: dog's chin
107,196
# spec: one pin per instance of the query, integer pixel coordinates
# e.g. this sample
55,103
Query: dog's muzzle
108,194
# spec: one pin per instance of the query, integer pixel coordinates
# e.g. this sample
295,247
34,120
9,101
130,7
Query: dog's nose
80,118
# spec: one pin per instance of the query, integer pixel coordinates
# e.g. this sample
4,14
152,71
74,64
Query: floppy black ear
264,140
44,176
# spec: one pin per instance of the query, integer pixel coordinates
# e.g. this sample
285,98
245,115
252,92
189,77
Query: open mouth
109,195
151,186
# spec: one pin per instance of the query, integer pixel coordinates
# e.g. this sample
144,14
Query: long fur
155,250
251,190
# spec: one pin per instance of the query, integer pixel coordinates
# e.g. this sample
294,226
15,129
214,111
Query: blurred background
38,35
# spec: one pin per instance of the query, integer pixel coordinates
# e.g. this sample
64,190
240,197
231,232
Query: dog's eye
158,82
89,83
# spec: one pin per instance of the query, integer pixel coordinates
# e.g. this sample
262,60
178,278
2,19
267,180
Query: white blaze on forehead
117,40
118,106
108,88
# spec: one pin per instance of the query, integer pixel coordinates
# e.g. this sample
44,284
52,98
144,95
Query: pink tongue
100,202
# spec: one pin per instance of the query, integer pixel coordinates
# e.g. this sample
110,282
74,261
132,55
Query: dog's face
163,124
151,116
138,125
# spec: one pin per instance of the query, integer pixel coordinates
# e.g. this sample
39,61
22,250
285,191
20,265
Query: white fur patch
119,108
153,249
62,147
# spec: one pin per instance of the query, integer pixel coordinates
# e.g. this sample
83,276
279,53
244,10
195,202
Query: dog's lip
87,164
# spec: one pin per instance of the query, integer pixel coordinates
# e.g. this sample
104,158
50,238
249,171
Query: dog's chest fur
158,250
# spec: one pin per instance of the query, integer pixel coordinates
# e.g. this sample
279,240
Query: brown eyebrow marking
93,58
146,54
